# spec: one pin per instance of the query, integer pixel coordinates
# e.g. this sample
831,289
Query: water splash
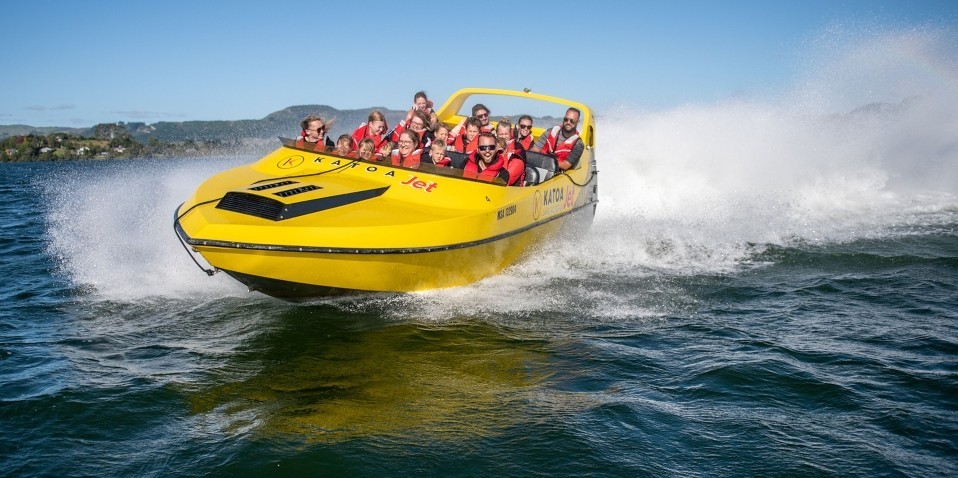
110,228
696,188
864,142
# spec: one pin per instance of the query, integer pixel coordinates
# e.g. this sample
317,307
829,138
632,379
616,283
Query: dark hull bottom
293,291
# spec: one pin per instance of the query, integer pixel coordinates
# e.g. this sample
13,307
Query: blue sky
69,63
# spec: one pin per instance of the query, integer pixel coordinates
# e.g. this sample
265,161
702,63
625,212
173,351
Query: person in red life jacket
374,129
515,163
344,146
367,150
523,137
504,132
313,134
485,163
408,154
479,112
422,103
419,124
466,143
437,155
385,151
562,142
440,133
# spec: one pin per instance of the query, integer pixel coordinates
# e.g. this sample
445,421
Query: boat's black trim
344,250
276,210
290,290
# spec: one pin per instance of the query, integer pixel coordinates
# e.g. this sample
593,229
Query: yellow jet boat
299,224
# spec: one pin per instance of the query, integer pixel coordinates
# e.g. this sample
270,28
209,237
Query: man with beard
562,142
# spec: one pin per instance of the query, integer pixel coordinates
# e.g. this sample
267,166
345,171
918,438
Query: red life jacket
411,161
524,143
441,162
472,169
319,146
458,144
362,132
510,147
561,150
517,171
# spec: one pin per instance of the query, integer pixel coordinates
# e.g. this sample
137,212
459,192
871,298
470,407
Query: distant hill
7,131
284,122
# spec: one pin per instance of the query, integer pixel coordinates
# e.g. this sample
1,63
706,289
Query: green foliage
62,146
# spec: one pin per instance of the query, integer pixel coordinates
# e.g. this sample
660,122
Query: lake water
766,291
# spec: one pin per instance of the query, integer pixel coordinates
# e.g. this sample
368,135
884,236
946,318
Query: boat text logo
290,162
414,181
553,200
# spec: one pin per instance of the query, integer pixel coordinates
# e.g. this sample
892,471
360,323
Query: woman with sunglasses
479,113
313,134
523,136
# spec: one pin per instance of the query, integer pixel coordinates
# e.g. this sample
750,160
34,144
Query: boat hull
302,274
300,224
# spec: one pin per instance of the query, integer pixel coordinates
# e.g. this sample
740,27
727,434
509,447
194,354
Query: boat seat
545,167
457,160
532,175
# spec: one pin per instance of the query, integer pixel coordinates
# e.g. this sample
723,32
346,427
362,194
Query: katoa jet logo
290,162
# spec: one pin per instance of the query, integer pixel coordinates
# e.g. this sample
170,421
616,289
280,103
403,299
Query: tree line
109,141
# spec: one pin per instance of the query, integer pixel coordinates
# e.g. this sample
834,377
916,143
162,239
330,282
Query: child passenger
344,145
437,154
367,150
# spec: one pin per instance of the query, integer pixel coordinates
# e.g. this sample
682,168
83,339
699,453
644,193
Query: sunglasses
524,126
405,143
570,120
489,147
483,115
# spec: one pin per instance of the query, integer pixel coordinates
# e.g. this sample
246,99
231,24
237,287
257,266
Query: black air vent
271,185
259,206
275,210
292,192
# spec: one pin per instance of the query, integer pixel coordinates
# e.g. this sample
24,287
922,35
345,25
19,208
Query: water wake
862,144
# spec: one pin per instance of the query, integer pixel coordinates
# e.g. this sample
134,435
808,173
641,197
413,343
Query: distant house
119,149
83,150
46,149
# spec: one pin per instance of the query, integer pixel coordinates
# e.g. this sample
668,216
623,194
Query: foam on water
864,143
111,229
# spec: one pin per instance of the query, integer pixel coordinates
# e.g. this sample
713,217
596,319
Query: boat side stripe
345,250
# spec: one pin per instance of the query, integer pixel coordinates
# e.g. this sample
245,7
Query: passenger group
492,151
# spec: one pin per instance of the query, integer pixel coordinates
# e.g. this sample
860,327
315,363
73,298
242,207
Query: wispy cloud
60,107
146,115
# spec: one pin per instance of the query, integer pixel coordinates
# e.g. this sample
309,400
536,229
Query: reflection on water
321,379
